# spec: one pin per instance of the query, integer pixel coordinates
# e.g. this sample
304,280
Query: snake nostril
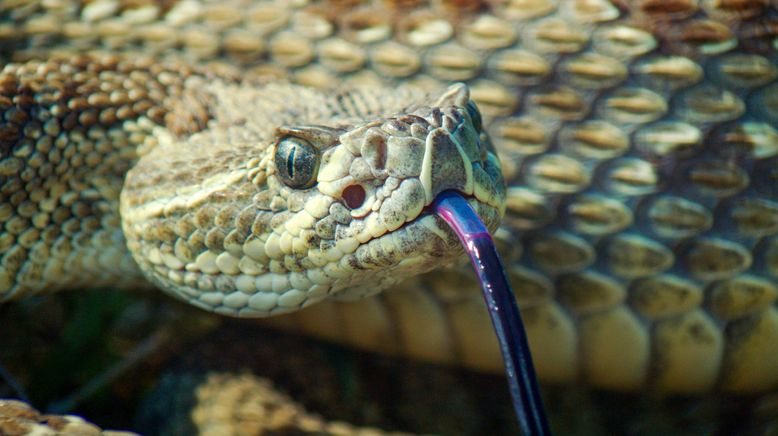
354,196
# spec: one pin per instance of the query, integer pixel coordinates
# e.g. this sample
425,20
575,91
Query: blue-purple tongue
504,312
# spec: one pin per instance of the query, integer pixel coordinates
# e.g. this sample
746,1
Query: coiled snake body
637,139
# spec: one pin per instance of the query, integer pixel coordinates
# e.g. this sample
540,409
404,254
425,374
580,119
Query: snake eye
475,115
297,162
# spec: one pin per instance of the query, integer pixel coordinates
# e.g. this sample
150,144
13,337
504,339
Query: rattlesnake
637,141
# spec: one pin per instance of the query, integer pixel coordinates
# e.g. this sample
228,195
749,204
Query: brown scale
667,10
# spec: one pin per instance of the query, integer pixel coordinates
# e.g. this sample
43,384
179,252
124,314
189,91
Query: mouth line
431,208
424,240
408,234
441,229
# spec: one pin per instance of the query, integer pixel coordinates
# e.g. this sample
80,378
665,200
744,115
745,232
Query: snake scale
200,146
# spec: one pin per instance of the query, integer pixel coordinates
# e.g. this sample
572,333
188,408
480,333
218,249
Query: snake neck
75,126
73,131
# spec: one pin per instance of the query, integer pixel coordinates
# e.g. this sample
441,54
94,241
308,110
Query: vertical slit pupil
290,162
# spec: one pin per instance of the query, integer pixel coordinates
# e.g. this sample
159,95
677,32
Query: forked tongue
504,312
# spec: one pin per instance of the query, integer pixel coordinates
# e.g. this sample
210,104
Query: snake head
334,202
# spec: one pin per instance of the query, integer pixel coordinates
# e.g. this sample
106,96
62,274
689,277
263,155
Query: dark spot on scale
700,334
312,240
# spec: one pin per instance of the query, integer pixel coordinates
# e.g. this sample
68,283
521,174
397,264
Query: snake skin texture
637,139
